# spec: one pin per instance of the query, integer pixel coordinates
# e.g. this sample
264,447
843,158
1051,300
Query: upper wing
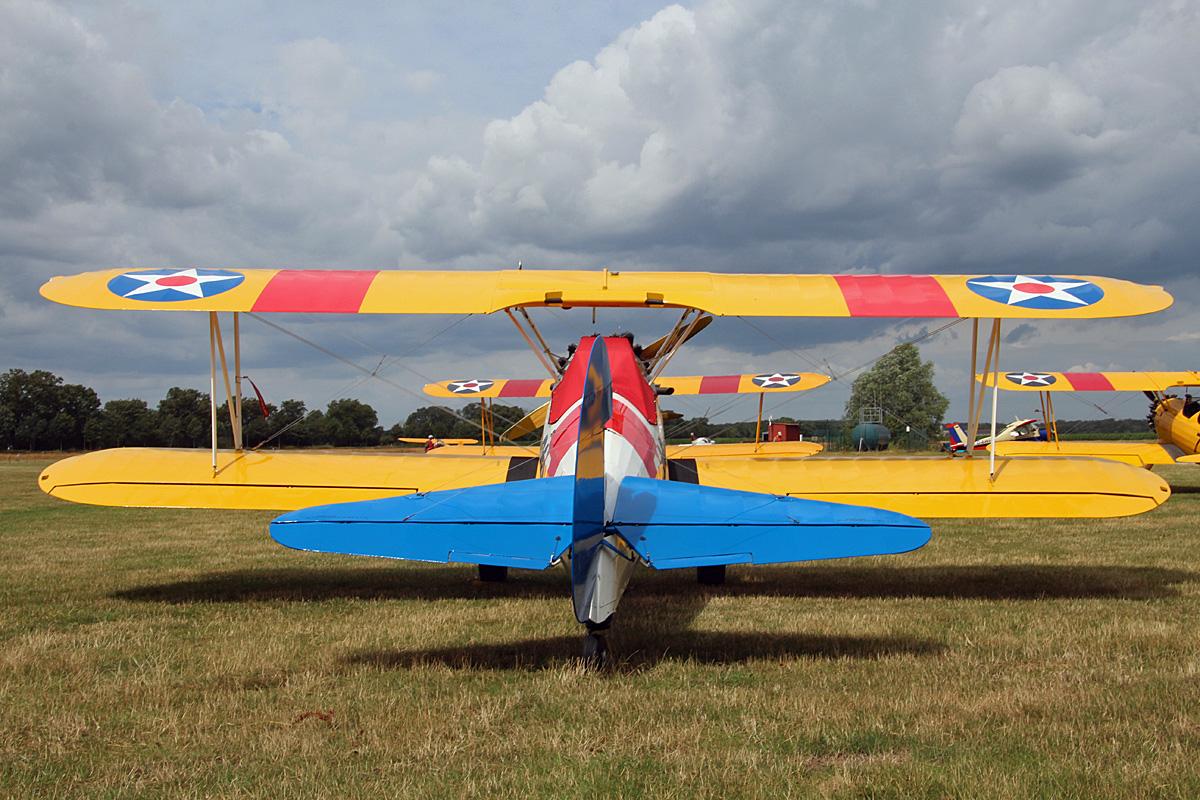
697,384
484,387
775,295
945,487
744,384
1090,381
141,476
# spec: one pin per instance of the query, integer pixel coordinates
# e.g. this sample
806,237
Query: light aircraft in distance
1021,430
1176,420
603,494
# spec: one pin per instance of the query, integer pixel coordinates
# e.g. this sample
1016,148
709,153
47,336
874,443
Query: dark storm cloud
763,136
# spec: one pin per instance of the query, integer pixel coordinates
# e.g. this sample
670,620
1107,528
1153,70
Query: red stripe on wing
1089,381
895,296
318,291
720,384
521,388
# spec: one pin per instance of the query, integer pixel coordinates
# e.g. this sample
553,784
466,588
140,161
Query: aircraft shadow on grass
636,647
661,607
988,582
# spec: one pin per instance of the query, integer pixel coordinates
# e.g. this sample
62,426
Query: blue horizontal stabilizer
674,524
525,524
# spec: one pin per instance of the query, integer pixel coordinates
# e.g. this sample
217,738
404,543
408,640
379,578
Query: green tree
468,423
256,426
184,418
351,423
442,424
286,424
429,421
902,386
37,411
123,423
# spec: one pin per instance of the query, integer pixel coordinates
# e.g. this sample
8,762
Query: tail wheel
595,649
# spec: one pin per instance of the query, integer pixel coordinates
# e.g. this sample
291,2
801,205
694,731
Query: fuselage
633,447
1177,422
1021,430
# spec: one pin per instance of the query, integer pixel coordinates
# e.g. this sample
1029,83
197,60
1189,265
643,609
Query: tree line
39,411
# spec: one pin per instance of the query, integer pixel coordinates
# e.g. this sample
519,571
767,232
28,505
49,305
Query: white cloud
423,81
317,76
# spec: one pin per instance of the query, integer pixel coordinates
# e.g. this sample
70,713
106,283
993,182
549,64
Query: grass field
183,654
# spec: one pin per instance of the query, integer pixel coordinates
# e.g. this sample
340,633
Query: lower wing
944,487
745,450
151,477
1137,454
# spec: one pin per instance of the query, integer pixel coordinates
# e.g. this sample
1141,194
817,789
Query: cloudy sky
757,136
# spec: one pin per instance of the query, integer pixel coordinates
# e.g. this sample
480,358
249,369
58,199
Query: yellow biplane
1176,420
604,494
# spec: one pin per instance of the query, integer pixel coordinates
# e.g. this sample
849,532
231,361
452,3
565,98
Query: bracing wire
367,375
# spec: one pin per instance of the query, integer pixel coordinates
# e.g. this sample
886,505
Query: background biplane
1176,420
604,494
1019,430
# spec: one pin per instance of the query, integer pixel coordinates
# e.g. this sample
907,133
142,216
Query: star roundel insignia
171,285
1042,292
776,380
1031,378
472,386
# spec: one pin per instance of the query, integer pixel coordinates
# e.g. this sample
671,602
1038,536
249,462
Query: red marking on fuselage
563,436
319,291
626,424
632,398
628,379
895,296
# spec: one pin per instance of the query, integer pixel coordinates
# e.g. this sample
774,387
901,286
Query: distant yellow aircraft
604,494
1176,420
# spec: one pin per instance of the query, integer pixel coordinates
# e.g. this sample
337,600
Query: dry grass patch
182,653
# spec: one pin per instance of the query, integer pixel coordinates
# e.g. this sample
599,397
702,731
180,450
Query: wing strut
216,343
544,355
212,384
976,405
995,395
1048,416
674,340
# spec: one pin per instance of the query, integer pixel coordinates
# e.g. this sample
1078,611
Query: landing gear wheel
711,575
490,573
595,650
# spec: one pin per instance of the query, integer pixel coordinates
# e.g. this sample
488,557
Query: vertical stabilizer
957,437
587,532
